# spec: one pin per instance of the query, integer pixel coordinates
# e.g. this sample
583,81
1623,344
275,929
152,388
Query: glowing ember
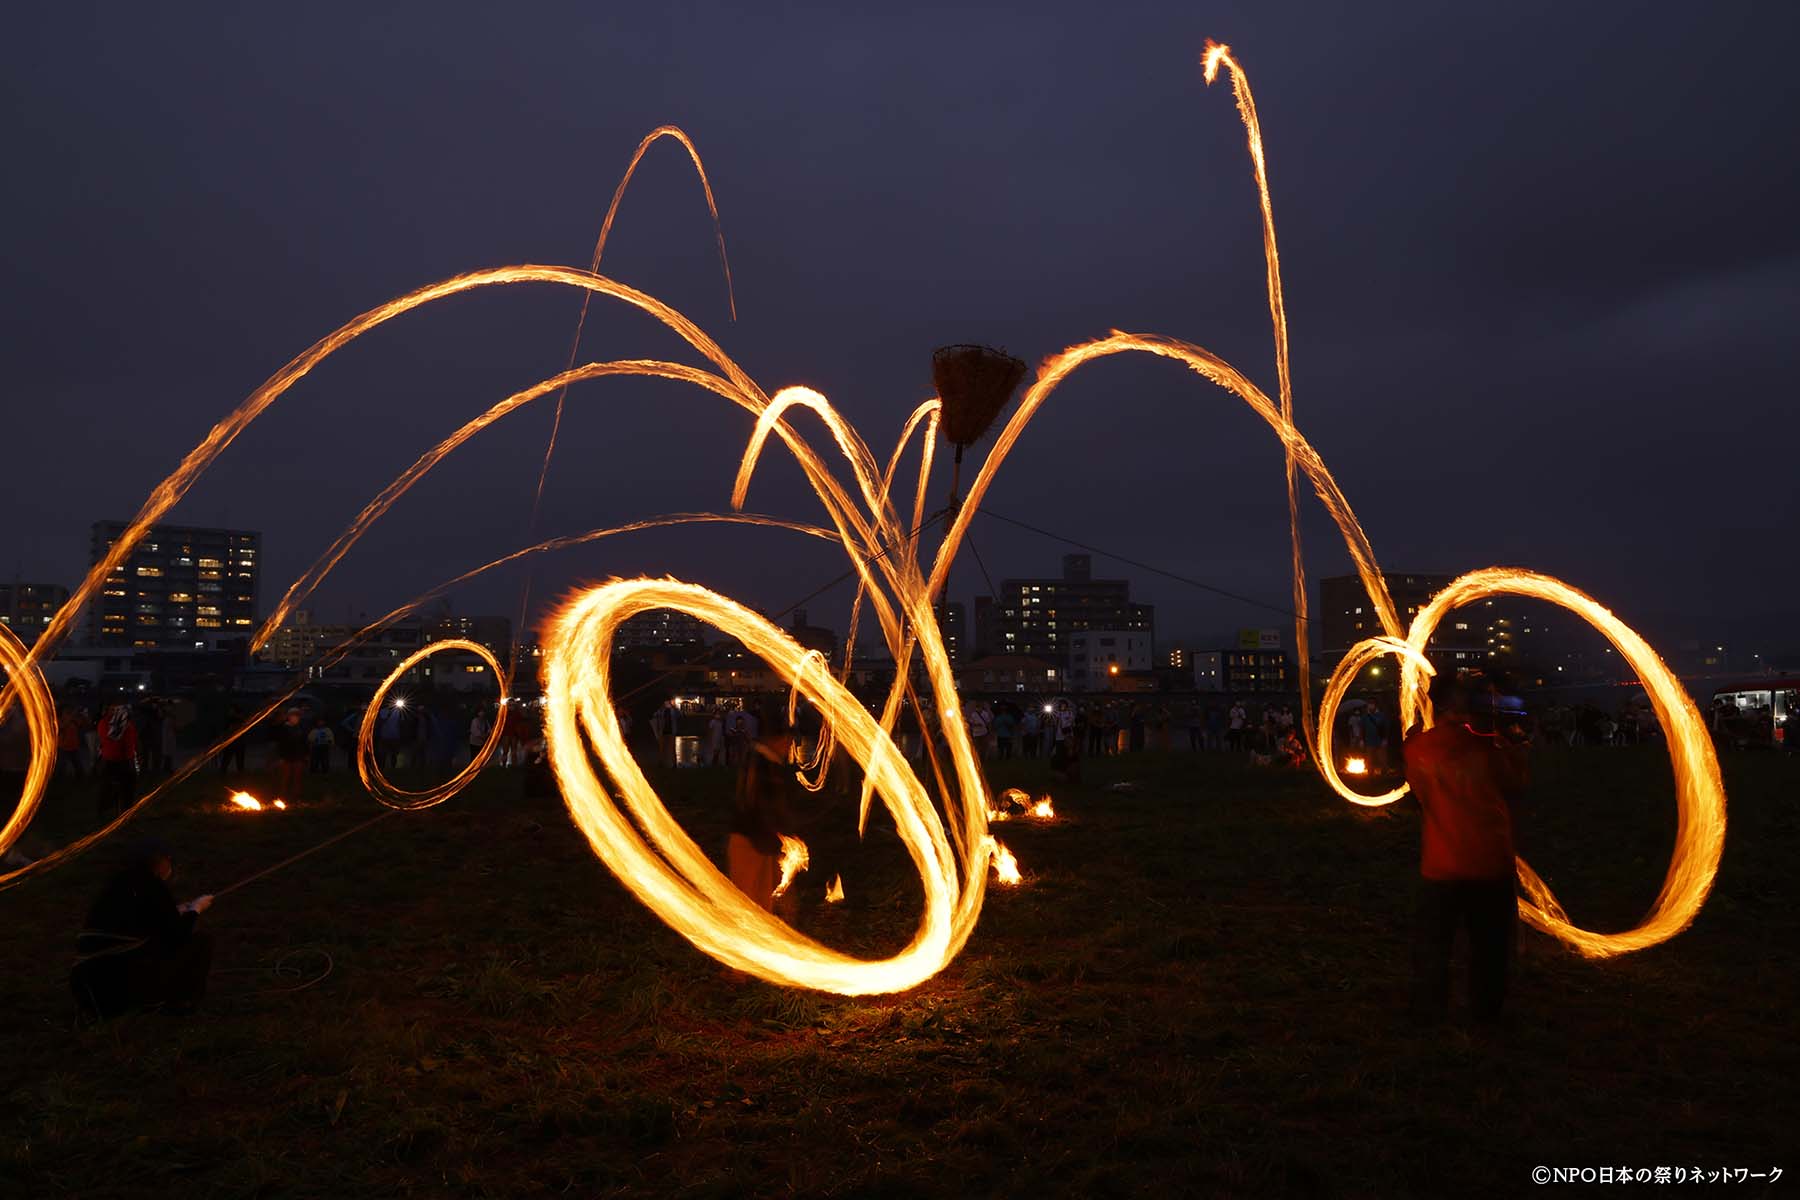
281,804
1043,810
246,801
1355,766
794,859
835,893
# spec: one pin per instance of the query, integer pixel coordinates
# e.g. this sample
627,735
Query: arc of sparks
612,211
1699,789
663,866
370,770
1218,54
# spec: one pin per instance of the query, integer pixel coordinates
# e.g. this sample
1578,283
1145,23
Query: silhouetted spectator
318,742
233,753
1006,725
15,757
290,754
68,741
139,948
118,760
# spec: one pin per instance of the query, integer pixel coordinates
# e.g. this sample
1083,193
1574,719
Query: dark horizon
1536,264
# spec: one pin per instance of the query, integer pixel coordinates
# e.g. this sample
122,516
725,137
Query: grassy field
1198,990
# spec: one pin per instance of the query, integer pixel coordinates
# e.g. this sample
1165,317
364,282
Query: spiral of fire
370,769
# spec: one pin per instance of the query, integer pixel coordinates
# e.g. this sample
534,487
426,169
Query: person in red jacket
760,814
118,760
1468,786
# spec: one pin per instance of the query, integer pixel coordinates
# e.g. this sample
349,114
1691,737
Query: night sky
1542,265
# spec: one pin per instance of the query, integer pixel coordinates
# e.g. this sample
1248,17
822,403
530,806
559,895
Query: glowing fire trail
662,865
1699,790
612,211
952,853
1217,54
794,859
370,770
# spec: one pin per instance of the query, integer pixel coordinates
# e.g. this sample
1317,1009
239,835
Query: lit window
149,571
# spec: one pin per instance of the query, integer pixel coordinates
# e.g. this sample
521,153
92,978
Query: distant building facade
1209,669
495,633
953,623
1099,658
1036,617
27,608
813,637
180,586
1010,673
659,627
1482,634
301,643
1242,670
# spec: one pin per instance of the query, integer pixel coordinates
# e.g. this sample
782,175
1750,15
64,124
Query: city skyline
1518,635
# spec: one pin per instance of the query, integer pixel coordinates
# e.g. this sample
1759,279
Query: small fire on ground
245,802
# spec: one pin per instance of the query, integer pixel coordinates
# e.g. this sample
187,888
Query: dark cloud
1545,248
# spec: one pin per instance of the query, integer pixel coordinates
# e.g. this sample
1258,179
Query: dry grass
1197,993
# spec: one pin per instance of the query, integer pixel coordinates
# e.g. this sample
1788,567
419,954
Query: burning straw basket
974,383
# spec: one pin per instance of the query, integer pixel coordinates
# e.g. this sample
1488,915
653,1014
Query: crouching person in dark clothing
1468,785
140,949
